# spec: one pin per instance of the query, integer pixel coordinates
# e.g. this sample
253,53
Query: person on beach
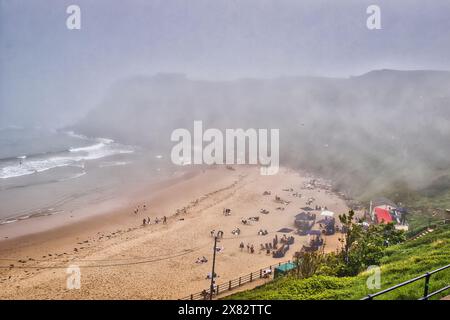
214,287
252,249
201,260
143,222
148,220
156,220
241,246
212,233
164,220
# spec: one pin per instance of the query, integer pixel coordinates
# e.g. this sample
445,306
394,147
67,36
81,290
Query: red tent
383,215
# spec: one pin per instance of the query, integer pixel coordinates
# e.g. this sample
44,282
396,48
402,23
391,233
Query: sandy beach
119,258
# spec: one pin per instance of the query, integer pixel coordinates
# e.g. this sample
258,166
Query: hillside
366,132
400,263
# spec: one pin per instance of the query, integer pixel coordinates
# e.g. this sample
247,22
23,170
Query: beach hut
283,269
382,215
381,202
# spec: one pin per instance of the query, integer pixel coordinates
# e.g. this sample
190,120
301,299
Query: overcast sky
47,69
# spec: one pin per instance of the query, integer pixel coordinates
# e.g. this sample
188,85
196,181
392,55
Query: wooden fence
232,284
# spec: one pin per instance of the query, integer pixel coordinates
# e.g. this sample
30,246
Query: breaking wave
36,163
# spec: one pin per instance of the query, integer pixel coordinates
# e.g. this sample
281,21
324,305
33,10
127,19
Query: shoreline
108,208
163,255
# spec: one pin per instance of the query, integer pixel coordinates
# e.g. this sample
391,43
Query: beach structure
304,222
382,215
305,216
383,210
383,203
283,269
328,226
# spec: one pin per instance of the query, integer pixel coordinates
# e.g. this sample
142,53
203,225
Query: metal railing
426,294
431,224
232,284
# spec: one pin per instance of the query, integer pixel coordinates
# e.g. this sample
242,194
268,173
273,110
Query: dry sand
121,259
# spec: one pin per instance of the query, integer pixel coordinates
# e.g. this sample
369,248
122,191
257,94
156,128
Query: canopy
327,213
284,268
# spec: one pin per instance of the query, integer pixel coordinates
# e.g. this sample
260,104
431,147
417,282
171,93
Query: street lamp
211,290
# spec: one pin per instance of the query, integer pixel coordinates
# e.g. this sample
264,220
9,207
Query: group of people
262,232
287,240
236,232
250,248
206,294
147,220
157,220
201,260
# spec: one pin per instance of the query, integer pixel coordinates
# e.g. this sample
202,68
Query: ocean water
26,152
45,172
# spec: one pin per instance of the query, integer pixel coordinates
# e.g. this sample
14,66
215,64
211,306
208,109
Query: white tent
327,213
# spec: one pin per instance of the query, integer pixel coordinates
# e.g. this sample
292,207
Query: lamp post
211,290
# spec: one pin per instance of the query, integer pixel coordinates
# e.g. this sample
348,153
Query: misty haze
91,93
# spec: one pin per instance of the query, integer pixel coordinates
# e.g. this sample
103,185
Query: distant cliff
368,130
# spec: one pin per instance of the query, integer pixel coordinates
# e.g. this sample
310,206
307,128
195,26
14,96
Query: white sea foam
99,150
7,221
96,146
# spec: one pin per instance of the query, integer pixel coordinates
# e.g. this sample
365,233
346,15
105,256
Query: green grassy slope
400,263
